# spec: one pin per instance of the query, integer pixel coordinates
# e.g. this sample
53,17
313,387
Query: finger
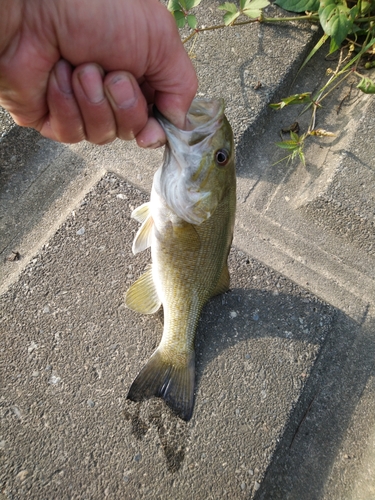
174,102
96,111
128,103
147,91
64,121
152,135
171,74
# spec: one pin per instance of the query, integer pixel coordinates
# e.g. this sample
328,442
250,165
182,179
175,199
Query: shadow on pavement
268,352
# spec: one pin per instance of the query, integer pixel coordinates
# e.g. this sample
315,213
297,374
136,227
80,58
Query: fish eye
222,157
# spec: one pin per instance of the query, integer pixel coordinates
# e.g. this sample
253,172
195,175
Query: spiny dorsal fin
223,283
162,378
141,213
142,296
142,239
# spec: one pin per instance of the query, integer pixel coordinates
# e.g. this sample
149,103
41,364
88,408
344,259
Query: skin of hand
88,69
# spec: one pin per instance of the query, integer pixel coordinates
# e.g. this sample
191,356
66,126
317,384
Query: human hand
87,69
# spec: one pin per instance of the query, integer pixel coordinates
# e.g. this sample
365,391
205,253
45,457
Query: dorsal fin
142,239
142,296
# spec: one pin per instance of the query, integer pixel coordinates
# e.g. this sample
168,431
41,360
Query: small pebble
81,231
22,475
32,347
90,403
16,411
54,379
138,457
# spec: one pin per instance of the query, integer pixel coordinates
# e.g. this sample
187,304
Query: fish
188,223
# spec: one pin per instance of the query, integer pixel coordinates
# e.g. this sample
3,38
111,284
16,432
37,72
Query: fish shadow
262,303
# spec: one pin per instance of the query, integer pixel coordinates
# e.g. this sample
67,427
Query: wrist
10,21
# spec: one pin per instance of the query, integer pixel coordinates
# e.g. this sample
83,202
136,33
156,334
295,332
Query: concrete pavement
285,398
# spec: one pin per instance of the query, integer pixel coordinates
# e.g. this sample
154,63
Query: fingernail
91,82
122,92
63,74
154,145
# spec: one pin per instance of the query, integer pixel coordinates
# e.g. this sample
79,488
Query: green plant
348,25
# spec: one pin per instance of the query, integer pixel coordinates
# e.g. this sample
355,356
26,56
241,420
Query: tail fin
162,379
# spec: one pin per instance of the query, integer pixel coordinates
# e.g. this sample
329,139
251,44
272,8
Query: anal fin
142,296
171,382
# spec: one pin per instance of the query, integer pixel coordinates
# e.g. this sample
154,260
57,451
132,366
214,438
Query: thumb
172,75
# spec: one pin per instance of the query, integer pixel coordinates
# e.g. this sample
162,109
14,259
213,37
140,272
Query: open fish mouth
203,119
187,161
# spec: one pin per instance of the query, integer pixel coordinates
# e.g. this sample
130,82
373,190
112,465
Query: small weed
349,28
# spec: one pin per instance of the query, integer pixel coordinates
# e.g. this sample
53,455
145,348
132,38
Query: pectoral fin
141,213
143,237
142,296
223,283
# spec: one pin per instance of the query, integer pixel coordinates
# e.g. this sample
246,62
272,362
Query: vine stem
260,19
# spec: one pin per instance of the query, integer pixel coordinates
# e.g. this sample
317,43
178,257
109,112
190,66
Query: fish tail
163,379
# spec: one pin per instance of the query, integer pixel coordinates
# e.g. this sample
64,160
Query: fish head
198,166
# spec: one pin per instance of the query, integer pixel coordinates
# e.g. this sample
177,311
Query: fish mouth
202,120
186,164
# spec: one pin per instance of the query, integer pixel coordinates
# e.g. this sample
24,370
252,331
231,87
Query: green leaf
366,6
304,98
192,21
228,6
313,51
231,12
294,136
230,17
191,3
336,21
183,4
301,156
298,5
367,86
255,4
253,8
180,18
291,145
173,5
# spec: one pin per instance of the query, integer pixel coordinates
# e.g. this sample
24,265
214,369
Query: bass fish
188,223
